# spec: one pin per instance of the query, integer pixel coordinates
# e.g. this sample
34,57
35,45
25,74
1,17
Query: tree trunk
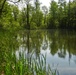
28,25
1,10
69,15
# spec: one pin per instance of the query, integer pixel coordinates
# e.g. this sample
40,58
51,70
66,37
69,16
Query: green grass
26,65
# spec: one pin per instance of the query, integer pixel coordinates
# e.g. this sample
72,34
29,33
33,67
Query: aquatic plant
26,65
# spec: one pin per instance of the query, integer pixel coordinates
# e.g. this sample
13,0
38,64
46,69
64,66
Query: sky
43,2
47,2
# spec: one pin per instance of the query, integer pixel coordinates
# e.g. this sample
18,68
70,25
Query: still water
59,46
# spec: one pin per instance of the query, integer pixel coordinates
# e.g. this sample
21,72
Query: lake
59,47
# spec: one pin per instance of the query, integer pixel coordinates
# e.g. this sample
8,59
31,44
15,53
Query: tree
2,6
36,16
5,16
69,14
15,12
62,12
2,3
45,11
37,4
27,3
22,18
53,15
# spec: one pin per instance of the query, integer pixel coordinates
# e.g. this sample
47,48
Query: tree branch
2,7
13,1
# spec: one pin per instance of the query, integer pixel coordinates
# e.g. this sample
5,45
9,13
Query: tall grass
26,65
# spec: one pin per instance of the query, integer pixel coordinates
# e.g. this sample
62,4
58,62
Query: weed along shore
26,65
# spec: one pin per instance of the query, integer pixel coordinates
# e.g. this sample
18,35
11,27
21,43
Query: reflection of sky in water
65,66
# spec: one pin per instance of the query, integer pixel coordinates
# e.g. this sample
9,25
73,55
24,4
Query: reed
26,65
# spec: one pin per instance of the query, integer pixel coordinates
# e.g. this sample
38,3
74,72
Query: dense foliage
60,15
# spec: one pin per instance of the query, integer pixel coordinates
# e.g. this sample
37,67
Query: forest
60,15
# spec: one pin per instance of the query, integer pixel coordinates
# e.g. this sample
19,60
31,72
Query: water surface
59,46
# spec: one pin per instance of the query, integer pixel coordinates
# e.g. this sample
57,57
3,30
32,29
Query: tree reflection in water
60,42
